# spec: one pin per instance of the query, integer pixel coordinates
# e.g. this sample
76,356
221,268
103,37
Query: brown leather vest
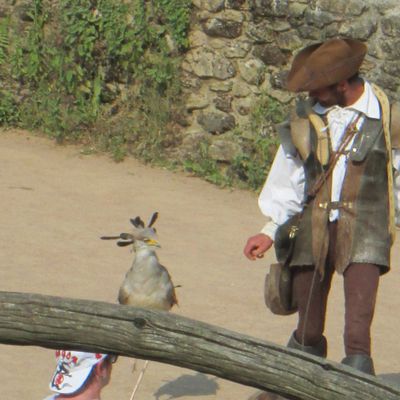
363,229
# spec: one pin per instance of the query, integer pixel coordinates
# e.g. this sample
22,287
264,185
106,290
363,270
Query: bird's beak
153,242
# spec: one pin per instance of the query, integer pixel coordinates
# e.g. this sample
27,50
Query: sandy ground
55,205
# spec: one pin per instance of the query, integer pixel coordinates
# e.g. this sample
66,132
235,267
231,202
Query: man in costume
332,180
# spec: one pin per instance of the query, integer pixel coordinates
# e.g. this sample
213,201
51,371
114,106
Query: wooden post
55,322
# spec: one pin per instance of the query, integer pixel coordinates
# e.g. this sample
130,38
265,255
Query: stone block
218,27
269,54
223,103
390,25
241,89
243,106
224,150
348,8
252,71
209,5
216,122
205,63
260,33
269,8
237,49
361,29
235,4
289,41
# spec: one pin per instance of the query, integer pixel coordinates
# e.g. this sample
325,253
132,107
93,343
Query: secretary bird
147,283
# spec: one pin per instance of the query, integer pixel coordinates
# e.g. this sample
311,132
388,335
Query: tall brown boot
362,362
320,349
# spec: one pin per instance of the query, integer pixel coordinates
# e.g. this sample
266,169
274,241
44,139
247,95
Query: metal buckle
293,231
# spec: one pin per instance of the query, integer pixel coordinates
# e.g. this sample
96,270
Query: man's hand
257,245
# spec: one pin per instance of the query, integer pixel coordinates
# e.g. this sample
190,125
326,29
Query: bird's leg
139,379
134,365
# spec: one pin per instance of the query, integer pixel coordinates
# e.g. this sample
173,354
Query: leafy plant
3,41
251,167
266,112
177,14
66,58
35,66
9,113
203,166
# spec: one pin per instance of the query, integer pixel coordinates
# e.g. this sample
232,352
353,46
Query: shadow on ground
393,379
188,385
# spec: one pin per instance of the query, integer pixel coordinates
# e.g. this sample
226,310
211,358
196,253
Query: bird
147,283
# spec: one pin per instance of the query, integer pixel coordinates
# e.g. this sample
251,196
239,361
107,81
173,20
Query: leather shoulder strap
395,125
301,121
301,135
322,135
386,118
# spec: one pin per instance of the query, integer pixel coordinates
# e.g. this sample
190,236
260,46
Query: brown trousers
360,289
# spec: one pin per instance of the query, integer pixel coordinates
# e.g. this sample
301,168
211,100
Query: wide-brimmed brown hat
324,64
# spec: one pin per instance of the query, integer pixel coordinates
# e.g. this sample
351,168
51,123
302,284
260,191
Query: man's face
328,96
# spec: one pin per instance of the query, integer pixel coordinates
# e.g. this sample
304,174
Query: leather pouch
278,290
278,281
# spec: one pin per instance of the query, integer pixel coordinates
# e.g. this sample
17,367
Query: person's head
328,71
77,372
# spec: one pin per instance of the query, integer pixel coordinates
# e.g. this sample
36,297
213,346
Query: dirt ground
57,202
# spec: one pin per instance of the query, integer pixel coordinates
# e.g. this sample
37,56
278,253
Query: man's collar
367,104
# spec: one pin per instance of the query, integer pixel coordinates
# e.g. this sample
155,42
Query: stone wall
243,48
240,51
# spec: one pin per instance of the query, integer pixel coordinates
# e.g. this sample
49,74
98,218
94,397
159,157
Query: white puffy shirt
283,191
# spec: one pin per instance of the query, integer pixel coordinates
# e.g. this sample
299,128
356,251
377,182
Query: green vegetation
204,166
106,74
75,57
249,168
252,166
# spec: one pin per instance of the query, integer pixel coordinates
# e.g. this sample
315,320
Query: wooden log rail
55,322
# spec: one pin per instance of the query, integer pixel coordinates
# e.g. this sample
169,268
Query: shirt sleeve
283,193
396,182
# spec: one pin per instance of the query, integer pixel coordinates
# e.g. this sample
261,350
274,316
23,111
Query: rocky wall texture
241,49
239,54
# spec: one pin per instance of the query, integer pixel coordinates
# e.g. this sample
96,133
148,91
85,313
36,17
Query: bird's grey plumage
147,284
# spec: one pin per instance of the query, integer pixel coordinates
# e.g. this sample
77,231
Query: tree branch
63,323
